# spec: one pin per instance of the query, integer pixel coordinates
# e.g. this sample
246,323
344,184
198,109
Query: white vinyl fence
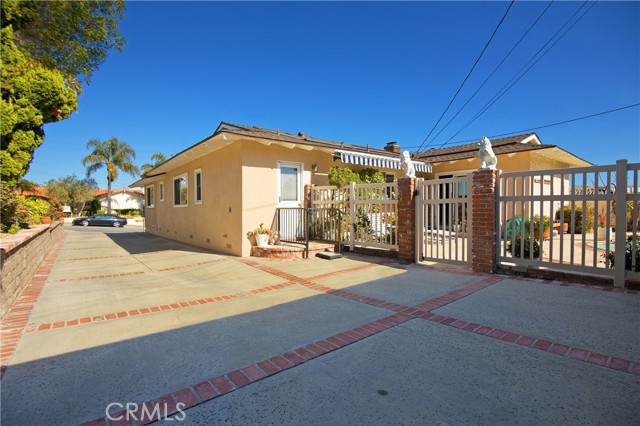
580,220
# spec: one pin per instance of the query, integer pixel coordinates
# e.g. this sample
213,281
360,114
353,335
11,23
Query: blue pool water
603,246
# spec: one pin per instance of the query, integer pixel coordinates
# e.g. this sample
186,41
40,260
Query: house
515,154
214,192
121,199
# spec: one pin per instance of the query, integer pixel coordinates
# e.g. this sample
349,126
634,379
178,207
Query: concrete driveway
119,319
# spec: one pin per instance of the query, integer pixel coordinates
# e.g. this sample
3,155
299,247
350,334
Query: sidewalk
127,317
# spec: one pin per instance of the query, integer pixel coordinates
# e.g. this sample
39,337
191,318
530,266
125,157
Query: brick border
17,317
150,309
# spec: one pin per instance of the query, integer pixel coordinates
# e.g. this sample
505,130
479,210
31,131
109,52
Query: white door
290,184
291,217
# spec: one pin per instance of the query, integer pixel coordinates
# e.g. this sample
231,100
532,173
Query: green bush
514,247
36,208
577,229
343,176
628,255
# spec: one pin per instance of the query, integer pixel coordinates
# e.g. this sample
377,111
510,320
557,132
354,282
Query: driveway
119,318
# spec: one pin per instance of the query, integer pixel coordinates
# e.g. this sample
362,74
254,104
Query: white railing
368,212
443,220
564,219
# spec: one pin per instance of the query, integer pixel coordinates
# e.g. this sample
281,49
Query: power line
492,73
546,125
470,71
511,82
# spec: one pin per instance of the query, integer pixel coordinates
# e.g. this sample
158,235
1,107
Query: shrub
36,208
577,229
628,255
536,225
514,247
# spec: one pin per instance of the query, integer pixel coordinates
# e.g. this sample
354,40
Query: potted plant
261,234
546,227
602,232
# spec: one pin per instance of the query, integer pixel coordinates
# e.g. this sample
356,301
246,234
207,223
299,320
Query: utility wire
545,125
492,73
469,74
517,78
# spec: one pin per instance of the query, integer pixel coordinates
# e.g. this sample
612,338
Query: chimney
303,135
392,147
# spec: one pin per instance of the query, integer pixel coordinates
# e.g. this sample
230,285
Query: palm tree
114,154
157,158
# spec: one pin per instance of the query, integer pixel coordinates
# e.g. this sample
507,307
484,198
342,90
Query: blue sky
358,72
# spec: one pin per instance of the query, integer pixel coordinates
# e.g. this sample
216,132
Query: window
180,191
161,191
197,177
149,192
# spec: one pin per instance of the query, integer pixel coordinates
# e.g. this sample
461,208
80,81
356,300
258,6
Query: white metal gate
443,220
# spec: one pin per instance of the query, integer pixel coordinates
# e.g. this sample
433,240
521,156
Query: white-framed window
161,191
180,191
148,191
197,185
289,184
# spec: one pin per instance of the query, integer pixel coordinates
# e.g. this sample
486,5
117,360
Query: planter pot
45,219
602,233
262,240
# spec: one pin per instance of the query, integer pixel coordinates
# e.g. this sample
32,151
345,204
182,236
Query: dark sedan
101,220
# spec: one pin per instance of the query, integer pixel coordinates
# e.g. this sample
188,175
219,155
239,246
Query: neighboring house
214,192
121,199
515,154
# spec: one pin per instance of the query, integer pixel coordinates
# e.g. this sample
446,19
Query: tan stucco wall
216,223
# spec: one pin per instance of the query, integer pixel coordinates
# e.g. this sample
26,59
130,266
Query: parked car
101,220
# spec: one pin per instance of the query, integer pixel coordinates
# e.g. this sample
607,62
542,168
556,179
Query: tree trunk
108,196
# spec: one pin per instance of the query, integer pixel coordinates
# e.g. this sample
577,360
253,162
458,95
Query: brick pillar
483,221
406,220
307,196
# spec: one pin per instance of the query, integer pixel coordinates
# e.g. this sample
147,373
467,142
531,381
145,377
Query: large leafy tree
157,158
73,37
49,48
72,191
31,96
112,154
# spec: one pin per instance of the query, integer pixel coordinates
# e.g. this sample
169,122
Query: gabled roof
300,138
517,143
36,191
227,133
508,145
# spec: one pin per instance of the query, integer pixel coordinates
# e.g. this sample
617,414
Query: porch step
290,250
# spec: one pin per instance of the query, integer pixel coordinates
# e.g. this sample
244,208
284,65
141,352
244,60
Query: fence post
483,220
621,223
406,220
352,219
307,196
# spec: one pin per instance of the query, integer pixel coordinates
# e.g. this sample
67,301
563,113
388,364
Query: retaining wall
21,255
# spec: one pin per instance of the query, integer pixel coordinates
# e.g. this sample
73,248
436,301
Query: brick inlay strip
573,352
18,315
150,309
242,377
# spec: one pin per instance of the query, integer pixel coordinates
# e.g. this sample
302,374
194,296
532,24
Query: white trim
161,191
197,172
184,176
299,201
146,196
